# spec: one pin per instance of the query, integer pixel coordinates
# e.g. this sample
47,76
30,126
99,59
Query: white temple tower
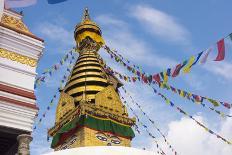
20,51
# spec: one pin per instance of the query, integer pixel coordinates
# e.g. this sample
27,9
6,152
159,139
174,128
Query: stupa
90,117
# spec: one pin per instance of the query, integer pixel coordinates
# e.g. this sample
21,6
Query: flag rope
150,120
149,78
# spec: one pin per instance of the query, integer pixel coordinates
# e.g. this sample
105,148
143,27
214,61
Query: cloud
189,138
56,33
161,24
222,69
118,35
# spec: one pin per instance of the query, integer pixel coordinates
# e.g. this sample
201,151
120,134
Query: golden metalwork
14,23
64,107
90,91
96,37
96,79
87,88
88,28
109,99
17,57
87,137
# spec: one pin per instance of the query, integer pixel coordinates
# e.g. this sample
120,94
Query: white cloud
189,138
118,35
161,24
222,69
56,33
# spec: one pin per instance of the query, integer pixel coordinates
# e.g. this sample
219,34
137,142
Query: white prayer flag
19,3
1,8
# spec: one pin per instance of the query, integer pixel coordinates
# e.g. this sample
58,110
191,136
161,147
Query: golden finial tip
86,14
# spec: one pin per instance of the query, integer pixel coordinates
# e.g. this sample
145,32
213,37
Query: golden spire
86,15
87,28
89,107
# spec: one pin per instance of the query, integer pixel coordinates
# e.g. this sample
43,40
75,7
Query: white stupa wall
17,100
103,150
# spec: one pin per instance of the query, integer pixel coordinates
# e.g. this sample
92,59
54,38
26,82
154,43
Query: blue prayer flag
55,1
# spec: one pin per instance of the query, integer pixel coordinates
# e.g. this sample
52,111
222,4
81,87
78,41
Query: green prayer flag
230,36
215,103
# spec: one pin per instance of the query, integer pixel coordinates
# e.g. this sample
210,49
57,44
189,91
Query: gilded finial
86,15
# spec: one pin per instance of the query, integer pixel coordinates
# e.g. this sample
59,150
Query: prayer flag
221,50
168,71
164,76
19,3
156,77
227,105
1,8
187,68
181,93
198,57
230,36
176,70
204,59
55,1
215,103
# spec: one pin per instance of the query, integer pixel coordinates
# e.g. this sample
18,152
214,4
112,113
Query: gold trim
96,37
14,23
17,57
87,73
82,89
95,79
86,68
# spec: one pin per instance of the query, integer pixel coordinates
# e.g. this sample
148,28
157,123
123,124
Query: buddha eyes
115,141
111,139
101,138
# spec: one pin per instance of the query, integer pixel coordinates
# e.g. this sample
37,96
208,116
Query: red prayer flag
177,70
221,50
156,77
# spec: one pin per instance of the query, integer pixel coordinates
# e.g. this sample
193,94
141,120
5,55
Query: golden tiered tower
90,112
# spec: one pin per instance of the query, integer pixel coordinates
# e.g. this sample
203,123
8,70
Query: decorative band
17,57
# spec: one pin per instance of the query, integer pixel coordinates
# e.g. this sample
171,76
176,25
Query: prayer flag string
146,129
49,71
161,78
191,117
190,96
185,65
145,114
51,103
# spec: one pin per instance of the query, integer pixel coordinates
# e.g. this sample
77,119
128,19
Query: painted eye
114,141
101,138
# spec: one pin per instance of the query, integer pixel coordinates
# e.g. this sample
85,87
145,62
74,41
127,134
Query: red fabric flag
156,77
221,50
176,71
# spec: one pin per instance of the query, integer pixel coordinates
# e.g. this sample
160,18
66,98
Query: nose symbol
109,144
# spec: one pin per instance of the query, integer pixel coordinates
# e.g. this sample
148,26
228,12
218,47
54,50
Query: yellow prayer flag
187,68
206,129
182,93
165,77
167,101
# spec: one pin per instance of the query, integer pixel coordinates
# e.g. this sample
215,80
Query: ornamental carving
14,23
65,106
17,57
108,99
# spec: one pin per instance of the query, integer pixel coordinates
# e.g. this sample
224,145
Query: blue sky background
154,34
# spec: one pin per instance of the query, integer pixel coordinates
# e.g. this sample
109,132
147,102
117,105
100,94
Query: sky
155,35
